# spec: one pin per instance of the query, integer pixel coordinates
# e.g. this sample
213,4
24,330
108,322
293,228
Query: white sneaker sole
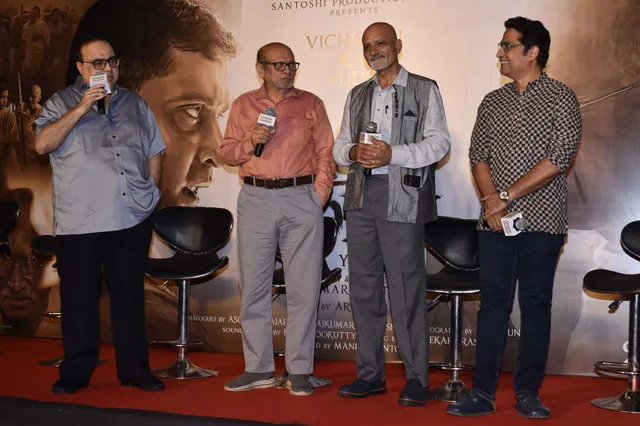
299,393
260,384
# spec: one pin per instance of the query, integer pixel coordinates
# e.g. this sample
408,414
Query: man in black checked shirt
525,136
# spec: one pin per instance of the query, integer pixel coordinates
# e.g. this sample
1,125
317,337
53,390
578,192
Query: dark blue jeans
530,258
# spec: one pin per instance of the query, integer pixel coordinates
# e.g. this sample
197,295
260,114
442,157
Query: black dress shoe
146,383
413,394
68,386
472,403
363,388
529,405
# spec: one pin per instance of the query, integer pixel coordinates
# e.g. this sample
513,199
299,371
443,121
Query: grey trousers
375,246
292,218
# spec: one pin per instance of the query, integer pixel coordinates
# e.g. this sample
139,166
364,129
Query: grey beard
383,64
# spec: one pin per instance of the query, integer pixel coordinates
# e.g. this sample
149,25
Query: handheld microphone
102,110
268,119
370,131
100,78
513,224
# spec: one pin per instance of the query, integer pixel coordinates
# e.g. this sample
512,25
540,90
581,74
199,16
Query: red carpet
568,397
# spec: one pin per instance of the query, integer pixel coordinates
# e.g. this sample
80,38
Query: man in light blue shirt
106,167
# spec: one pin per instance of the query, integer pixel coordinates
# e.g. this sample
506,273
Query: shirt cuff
345,154
399,156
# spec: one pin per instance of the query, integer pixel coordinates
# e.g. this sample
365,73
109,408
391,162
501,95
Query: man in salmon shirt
280,204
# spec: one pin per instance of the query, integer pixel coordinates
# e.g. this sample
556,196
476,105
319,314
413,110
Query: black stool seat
450,280
44,244
630,239
185,267
454,243
610,282
196,234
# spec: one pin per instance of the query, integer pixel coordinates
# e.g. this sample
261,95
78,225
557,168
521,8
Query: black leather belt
279,183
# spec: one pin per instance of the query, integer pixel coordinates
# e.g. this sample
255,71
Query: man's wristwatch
504,196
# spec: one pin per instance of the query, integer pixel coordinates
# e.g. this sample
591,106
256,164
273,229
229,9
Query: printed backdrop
594,50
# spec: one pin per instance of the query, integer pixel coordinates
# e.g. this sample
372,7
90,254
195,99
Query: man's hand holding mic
260,135
494,209
90,97
262,132
373,155
492,204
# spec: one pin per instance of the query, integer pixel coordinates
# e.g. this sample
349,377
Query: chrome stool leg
55,362
629,400
454,388
182,368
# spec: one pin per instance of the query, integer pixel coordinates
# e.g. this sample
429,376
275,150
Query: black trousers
80,259
530,258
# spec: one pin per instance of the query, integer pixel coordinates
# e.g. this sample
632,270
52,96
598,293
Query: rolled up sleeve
567,130
479,149
52,111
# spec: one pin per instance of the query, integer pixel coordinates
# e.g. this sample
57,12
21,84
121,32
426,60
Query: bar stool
609,282
45,245
329,277
196,234
9,212
454,243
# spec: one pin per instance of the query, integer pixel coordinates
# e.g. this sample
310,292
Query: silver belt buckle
274,180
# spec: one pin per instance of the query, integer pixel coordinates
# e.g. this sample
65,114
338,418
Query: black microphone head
271,112
371,127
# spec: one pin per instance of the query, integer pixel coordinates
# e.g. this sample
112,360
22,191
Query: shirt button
121,173
114,136
123,193
117,155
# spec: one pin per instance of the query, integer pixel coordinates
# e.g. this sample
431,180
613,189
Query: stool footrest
176,344
450,366
617,368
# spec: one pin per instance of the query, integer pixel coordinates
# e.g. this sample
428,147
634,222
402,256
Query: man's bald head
383,29
381,46
278,55
268,49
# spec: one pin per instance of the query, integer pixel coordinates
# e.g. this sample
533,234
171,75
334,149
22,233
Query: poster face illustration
189,78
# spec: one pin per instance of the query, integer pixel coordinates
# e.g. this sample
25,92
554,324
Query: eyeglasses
100,64
505,46
280,66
